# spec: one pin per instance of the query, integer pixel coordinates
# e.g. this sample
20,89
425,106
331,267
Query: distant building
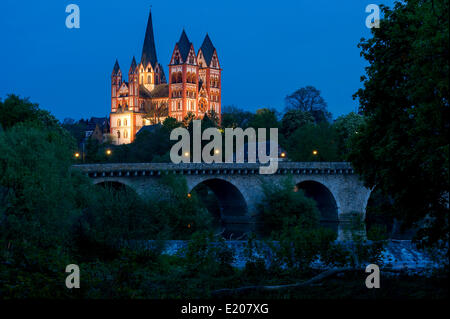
194,87
98,128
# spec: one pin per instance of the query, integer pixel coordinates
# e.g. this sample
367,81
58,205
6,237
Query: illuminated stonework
146,98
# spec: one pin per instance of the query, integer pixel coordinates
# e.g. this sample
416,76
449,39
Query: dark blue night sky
267,49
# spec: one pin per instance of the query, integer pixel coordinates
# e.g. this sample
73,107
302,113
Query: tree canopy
309,99
403,148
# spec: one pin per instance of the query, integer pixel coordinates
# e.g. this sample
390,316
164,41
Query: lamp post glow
186,154
315,152
77,155
108,152
283,154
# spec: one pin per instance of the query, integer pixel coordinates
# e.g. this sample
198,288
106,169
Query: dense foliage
403,147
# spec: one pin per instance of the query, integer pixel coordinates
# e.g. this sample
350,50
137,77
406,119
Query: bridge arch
114,182
232,202
326,201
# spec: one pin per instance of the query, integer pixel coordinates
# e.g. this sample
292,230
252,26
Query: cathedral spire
207,49
184,45
149,49
133,65
116,68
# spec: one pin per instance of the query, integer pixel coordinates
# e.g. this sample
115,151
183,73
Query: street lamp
108,152
77,155
283,154
315,152
186,154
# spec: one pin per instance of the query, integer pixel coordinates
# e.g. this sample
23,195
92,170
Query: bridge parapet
336,188
150,169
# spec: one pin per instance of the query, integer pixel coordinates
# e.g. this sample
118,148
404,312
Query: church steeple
149,49
116,68
184,46
208,50
133,66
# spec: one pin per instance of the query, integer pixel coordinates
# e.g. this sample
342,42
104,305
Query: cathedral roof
207,50
149,49
143,92
160,91
184,46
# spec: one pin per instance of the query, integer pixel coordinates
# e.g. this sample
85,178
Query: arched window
125,134
179,77
118,134
125,122
174,77
118,122
148,79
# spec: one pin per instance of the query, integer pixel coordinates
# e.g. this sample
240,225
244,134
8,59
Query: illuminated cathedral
146,98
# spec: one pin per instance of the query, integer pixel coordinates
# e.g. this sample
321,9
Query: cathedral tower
209,77
116,81
183,84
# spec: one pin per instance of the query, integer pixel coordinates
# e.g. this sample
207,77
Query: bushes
321,137
285,206
178,214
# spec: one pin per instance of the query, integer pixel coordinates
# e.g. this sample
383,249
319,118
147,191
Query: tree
235,117
294,119
345,127
404,148
211,119
155,111
283,207
170,123
264,118
17,110
308,99
188,119
77,129
313,142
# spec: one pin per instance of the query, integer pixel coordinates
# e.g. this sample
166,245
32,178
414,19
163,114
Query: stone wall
346,188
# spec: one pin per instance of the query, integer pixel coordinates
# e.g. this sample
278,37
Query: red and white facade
194,87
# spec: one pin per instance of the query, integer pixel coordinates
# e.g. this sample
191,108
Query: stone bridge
238,186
